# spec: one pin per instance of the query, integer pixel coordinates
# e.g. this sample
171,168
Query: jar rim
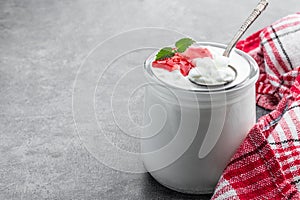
253,75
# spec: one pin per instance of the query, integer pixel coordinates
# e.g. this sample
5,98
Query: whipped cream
212,70
174,78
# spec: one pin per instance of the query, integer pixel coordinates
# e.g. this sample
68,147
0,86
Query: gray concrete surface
42,44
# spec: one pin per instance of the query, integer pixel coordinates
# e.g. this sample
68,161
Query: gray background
42,44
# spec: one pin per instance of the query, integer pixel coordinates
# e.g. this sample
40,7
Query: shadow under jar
191,133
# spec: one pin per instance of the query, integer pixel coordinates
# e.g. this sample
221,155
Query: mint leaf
166,52
183,44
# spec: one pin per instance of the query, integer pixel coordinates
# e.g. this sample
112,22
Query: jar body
190,173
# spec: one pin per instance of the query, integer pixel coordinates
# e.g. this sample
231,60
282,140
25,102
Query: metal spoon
261,6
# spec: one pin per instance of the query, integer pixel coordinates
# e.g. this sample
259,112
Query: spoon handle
261,6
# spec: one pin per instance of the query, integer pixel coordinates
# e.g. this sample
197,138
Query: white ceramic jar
192,133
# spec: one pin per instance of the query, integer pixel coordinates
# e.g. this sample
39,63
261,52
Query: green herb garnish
168,52
183,44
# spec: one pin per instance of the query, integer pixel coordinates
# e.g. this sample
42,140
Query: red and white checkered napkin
267,164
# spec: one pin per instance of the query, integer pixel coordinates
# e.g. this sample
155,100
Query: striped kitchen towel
267,164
